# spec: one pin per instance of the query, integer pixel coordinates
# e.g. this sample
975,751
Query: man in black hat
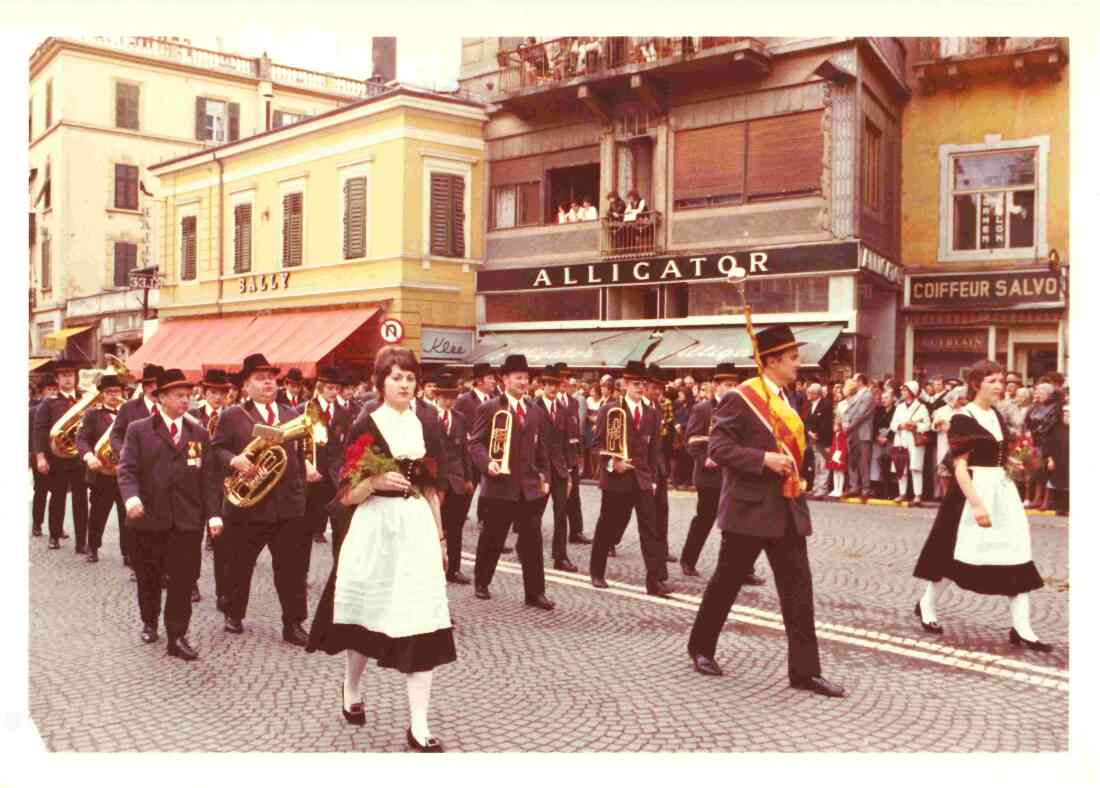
215,387
64,474
556,436
574,455
513,499
654,397
277,521
758,441
455,472
330,457
291,392
482,390
629,487
102,483
170,490
46,388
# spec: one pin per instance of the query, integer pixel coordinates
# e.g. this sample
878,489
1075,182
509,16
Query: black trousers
176,554
41,494
318,496
660,510
68,476
617,508
223,553
501,515
791,567
453,514
289,542
103,496
558,489
573,506
706,510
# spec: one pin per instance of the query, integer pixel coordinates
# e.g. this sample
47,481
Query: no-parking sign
391,330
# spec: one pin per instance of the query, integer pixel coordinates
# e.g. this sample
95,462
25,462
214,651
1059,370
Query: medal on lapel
194,453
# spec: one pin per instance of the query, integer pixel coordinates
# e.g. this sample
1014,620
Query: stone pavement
606,671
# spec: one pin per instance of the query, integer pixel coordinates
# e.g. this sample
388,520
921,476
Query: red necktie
173,432
553,411
446,422
270,415
520,414
637,417
153,412
330,413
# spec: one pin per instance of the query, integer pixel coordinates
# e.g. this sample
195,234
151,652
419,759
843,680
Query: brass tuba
63,432
269,457
615,435
500,439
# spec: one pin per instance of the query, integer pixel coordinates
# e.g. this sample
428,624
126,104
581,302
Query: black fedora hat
329,375
170,379
446,383
551,373
481,369
293,375
65,365
564,371
776,339
109,382
215,379
654,374
151,373
635,370
234,379
517,362
257,362
726,370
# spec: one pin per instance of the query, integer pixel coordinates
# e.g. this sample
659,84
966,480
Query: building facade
100,113
781,156
985,208
302,242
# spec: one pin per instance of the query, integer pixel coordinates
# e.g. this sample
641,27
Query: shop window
677,298
765,296
570,185
542,307
515,205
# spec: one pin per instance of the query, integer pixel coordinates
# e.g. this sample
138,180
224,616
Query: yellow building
985,205
300,242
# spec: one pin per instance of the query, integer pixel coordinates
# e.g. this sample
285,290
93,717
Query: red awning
287,339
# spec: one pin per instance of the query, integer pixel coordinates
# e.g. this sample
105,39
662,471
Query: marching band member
654,397
482,390
64,474
574,455
215,386
103,486
330,457
171,495
291,392
454,474
556,436
47,387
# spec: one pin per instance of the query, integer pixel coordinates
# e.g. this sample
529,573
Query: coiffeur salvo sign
818,258
1006,288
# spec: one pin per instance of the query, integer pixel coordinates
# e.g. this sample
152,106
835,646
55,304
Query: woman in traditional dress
910,426
981,538
386,598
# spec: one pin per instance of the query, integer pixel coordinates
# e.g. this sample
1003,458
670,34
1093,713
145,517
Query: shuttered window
218,121
47,281
125,262
49,104
126,105
872,166
189,247
448,215
355,217
292,229
33,221
126,187
784,155
709,166
242,238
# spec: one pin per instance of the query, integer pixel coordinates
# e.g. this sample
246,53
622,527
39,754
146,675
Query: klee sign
982,289
440,345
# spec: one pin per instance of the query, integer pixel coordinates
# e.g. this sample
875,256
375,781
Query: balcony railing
562,59
630,239
314,80
947,48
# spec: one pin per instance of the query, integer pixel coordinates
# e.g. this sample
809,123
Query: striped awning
986,317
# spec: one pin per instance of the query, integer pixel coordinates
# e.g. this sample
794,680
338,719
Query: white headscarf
913,386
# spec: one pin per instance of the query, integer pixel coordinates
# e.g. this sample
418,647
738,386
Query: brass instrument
267,454
212,422
63,432
615,432
500,439
105,454
318,435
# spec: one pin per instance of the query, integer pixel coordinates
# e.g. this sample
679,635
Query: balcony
958,62
638,238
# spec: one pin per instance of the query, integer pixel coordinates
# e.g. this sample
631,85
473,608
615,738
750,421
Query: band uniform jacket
455,470
556,436
662,464
467,404
95,423
131,410
573,447
179,488
30,429
698,426
643,446
50,410
330,457
234,431
284,399
820,422
751,501
527,459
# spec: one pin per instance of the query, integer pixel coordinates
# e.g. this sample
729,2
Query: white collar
392,412
169,422
647,401
481,396
149,404
549,402
343,403
771,384
513,403
632,404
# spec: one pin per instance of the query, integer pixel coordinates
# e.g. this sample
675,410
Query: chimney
384,58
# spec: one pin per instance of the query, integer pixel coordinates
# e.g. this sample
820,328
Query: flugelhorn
267,454
63,431
615,431
500,439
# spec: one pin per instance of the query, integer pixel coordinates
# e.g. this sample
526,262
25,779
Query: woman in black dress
980,538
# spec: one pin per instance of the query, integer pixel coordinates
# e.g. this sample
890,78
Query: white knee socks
928,601
419,686
1020,607
918,482
354,663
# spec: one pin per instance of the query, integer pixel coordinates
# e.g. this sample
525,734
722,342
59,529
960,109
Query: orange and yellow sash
786,425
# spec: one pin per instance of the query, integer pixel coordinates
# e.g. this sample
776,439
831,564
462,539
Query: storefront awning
291,339
705,347
56,339
581,349
37,363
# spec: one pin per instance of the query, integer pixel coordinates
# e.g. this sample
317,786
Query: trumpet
63,432
318,434
268,455
615,435
500,439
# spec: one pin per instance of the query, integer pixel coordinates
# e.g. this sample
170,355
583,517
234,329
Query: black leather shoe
482,592
220,604
754,580
506,549
195,595
565,565
179,647
356,715
149,634
579,539
93,556
1035,645
53,544
233,625
80,549
540,601
705,665
933,627
295,634
431,745
599,582
689,570
659,588
458,578
820,686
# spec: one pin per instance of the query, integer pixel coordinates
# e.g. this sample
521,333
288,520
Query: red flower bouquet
363,460
1024,453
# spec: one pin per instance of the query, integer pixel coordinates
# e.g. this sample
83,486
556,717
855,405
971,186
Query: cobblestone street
604,671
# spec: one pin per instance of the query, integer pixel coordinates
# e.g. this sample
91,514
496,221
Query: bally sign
995,289
819,258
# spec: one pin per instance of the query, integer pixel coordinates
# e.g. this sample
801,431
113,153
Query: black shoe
506,549
689,570
482,592
53,544
820,686
540,601
196,597
320,539
579,539
754,580
80,549
659,588
179,647
220,604
933,627
564,565
1035,645
599,582
705,665
233,625
431,745
458,578
357,715
149,634
93,556
295,634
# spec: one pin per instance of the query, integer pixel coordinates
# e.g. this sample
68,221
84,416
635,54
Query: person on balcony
616,209
565,214
587,212
637,235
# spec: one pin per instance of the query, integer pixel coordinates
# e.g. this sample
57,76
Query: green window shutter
189,252
457,218
440,210
200,119
355,217
234,121
292,229
242,238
